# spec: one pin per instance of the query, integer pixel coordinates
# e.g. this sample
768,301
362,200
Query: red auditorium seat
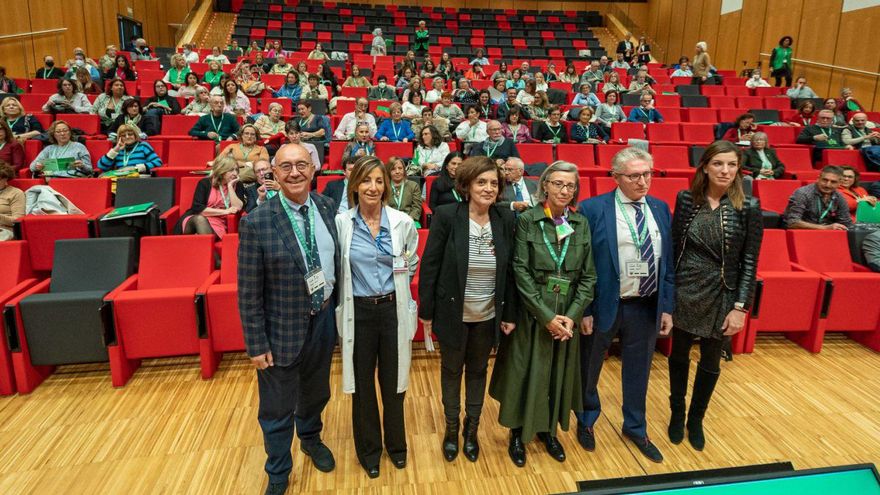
780,134
44,87
722,102
15,278
664,133
749,102
774,194
797,163
194,155
153,311
25,184
621,131
351,92
177,126
702,115
414,284
774,308
535,153
387,149
697,132
770,92
605,152
89,124
777,102
672,160
849,286
97,148
853,158
582,155
220,331
736,86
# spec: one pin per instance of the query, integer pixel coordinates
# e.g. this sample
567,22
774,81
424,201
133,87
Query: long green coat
537,379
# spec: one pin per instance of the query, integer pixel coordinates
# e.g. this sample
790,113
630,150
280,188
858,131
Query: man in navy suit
287,265
635,293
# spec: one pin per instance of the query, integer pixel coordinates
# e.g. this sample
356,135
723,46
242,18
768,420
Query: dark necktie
648,284
313,257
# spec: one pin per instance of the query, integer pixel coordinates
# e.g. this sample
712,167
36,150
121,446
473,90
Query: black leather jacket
743,231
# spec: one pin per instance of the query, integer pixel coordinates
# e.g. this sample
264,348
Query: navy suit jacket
273,299
601,214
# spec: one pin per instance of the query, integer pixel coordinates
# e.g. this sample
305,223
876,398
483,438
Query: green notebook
129,211
865,213
58,164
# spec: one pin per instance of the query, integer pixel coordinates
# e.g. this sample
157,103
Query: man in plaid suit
287,265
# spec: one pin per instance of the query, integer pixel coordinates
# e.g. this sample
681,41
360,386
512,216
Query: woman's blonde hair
222,165
127,127
7,100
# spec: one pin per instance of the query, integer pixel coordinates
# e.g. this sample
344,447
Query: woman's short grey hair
702,45
760,136
626,155
559,166
275,104
377,31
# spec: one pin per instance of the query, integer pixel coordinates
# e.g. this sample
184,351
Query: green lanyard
306,246
555,132
126,157
395,130
824,214
456,195
491,152
13,122
398,194
640,237
215,125
557,258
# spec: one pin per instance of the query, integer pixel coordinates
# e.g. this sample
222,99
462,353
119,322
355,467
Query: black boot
470,447
450,440
516,449
678,381
704,385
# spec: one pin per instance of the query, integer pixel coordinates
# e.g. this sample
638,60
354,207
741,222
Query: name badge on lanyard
315,280
636,268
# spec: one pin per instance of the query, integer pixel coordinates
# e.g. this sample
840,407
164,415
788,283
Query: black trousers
471,357
779,75
710,350
375,340
296,394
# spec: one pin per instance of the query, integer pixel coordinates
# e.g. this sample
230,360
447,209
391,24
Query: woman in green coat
780,61
420,45
537,373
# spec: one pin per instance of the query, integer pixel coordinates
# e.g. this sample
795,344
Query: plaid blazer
273,300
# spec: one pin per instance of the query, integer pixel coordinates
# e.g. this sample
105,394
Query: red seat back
387,149
92,196
821,250
229,260
16,264
697,132
41,232
581,155
97,148
323,180
535,153
187,191
606,152
44,86
664,132
704,115
175,261
666,157
795,159
774,255
178,125
774,194
89,124
780,134
194,154
627,130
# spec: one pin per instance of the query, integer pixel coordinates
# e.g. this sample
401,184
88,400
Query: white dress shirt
527,196
349,124
627,249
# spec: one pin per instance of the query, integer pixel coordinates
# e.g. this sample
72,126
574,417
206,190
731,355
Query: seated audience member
249,78
743,129
404,78
761,160
514,126
270,124
381,91
852,191
756,81
406,195
570,75
640,84
233,47
610,111
509,102
847,104
121,69
355,79
464,95
619,63
141,51
412,107
645,112
585,97
12,202
866,140
805,116
593,75
80,61
62,148
836,107
498,96
436,91
68,99
476,73
446,68
485,106
215,197
540,106
273,49
525,70
216,55
132,114
313,128
552,75
527,96
448,110
396,128
822,135
501,73
130,151
337,190
819,205
24,125
303,73
214,75
472,129
614,84
11,151
429,153
178,75
217,125
234,101
427,119
683,70
48,70
585,132
350,121
200,105
291,88
496,146
551,130
801,90
429,70
540,82
293,135
361,144
443,188
246,151
85,83
161,103
265,187
315,90
480,58
281,66
516,81
520,196
190,54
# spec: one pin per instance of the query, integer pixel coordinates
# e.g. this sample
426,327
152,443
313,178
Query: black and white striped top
479,289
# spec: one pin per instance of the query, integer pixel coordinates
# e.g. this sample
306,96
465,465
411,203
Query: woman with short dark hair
68,99
780,61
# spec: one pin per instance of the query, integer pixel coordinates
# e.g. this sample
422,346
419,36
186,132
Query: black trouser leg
314,376
392,402
481,336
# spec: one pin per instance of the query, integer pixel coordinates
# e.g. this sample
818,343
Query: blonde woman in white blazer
376,316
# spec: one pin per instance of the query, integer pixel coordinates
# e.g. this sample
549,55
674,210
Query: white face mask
382,85
187,51
79,62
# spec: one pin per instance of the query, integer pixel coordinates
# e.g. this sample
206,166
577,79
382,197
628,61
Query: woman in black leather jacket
716,231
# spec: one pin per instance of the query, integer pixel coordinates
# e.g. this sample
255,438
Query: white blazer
404,248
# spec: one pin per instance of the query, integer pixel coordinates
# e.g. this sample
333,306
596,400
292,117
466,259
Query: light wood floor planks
168,431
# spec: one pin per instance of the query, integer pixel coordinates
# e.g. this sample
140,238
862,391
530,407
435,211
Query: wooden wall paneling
663,27
110,8
724,54
693,14
74,20
751,33
678,27
18,54
96,37
853,52
710,21
45,14
818,41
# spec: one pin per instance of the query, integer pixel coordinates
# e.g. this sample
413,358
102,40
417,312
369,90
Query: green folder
865,213
57,164
129,211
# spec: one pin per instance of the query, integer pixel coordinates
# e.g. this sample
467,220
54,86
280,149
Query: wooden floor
168,431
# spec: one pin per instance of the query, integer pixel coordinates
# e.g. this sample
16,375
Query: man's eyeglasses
559,185
635,177
287,167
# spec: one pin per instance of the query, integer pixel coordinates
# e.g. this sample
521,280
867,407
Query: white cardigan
404,247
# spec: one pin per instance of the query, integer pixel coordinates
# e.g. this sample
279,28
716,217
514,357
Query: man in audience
428,118
604,64
381,91
266,186
141,51
217,125
504,107
866,140
620,63
350,121
822,135
519,193
645,112
496,146
49,71
281,66
190,54
593,75
337,190
801,90
625,47
819,206
285,300
525,70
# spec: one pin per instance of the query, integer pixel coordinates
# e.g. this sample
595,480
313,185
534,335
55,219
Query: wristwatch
740,307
